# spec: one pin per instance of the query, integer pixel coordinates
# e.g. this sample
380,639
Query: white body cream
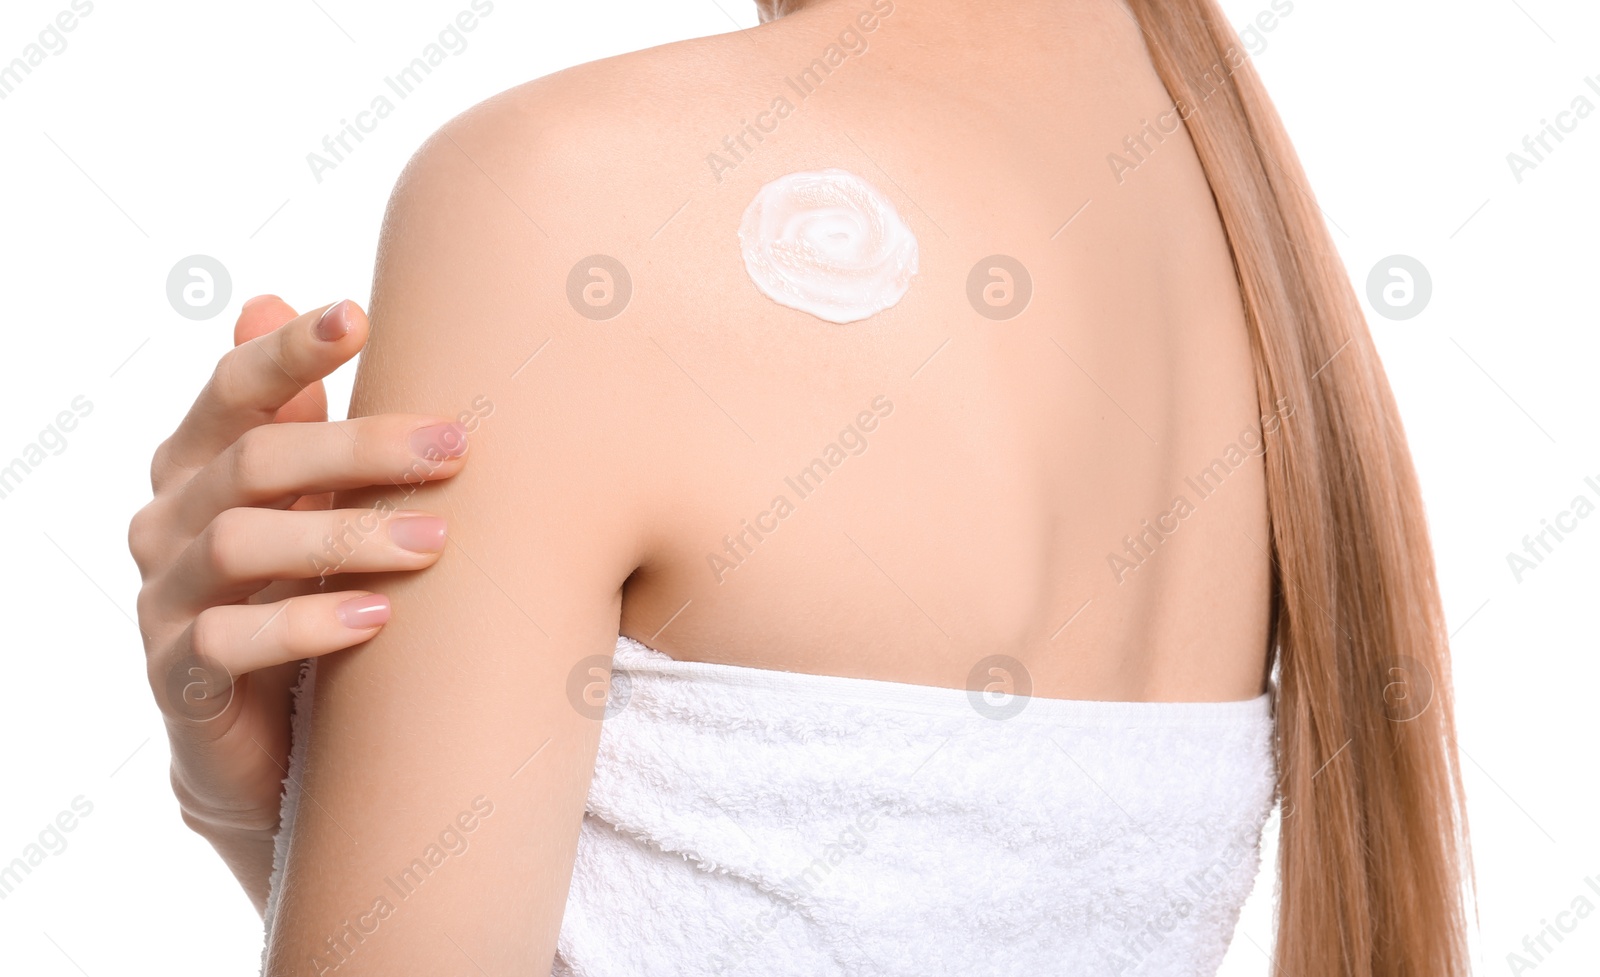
828,243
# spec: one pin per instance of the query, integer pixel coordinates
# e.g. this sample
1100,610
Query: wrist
246,851
216,831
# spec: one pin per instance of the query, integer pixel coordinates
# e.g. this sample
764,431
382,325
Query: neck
953,14
770,10
773,9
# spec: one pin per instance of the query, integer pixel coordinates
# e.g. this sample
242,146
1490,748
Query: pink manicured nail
334,323
419,534
439,441
361,613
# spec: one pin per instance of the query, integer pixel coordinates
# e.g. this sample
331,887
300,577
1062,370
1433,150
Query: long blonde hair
1373,860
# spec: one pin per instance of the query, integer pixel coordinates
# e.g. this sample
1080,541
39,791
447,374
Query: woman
957,411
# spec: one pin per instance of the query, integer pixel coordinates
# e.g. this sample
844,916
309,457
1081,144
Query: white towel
299,725
761,823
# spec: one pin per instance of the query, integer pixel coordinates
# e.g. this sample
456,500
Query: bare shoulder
584,143
603,147
538,255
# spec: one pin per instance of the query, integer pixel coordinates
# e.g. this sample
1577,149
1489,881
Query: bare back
965,474
902,497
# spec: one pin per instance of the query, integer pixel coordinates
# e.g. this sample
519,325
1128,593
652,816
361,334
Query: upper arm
427,840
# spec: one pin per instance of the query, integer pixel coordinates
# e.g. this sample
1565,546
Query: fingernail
334,323
439,441
361,613
419,534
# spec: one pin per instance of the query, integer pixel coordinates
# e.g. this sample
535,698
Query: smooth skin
227,550
623,453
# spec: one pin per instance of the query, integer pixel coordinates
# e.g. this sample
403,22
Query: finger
273,465
195,678
261,315
254,380
243,550
310,404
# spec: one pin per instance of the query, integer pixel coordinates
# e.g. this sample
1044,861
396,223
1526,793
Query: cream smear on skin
826,242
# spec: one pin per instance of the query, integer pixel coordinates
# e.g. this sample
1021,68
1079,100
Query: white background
163,131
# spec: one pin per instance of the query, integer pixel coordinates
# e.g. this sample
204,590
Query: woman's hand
236,550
